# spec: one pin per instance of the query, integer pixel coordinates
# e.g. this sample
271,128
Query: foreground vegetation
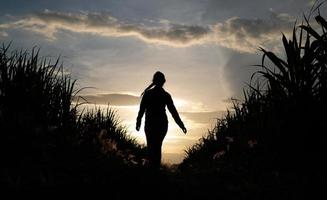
44,139
272,142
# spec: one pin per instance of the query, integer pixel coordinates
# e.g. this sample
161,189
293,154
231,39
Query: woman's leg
157,152
150,149
154,142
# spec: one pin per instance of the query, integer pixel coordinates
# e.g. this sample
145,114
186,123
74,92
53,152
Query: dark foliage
273,141
44,140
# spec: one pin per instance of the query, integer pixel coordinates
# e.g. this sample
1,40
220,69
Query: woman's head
158,79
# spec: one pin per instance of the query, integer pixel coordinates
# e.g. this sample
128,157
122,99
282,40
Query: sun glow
176,142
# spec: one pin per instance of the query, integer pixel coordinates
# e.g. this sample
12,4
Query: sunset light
162,99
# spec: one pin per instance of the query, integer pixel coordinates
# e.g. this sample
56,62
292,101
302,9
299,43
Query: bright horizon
197,122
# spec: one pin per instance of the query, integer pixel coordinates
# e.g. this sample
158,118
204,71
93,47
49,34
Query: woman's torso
156,101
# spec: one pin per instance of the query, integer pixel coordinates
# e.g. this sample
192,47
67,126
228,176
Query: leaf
277,61
321,21
311,31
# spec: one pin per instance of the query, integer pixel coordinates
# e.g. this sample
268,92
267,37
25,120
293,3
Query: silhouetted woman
153,103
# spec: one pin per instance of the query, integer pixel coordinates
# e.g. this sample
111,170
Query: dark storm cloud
113,99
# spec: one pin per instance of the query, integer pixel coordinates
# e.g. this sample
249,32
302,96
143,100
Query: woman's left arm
172,109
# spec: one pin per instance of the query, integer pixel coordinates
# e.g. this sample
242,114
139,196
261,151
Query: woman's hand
138,125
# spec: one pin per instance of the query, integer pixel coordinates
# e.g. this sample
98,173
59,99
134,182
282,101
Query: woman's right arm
141,112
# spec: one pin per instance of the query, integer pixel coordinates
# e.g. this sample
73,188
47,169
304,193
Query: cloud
240,34
113,99
3,34
222,9
49,23
239,68
246,35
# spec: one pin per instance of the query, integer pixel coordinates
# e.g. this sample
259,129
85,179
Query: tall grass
103,129
276,133
44,139
35,106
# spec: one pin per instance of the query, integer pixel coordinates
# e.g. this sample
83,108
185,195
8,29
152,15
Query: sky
206,49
